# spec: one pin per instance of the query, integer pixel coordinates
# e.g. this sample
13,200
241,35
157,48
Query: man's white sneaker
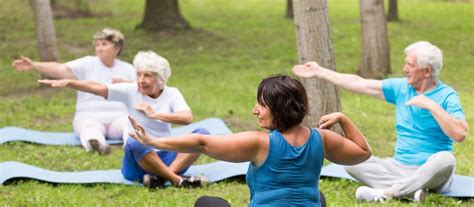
365,193
420,195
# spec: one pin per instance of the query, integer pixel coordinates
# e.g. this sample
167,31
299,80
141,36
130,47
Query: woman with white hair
95,118
156,106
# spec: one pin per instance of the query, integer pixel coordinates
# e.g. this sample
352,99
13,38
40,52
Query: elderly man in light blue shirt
429,117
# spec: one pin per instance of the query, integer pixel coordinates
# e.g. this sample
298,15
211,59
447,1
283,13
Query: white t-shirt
92,106
170,100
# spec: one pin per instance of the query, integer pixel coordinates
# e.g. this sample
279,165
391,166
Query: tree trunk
163,15
289,9
314,44
375,62
45,34
48,48
392,11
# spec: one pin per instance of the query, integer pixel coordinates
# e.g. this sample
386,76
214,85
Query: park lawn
217,66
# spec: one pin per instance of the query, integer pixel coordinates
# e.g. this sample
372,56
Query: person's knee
351,169
201,130
447,157
439,164
89,123
134,145
137,149
443,159
131,143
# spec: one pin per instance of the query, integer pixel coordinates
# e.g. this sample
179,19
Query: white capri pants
90,128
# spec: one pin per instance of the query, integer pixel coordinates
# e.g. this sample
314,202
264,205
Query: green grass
217,67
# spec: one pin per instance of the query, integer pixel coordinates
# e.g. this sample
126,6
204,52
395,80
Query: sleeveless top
289,176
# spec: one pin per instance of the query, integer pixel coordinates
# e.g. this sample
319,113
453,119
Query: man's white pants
404,180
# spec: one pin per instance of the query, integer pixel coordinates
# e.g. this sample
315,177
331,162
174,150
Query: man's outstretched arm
350,82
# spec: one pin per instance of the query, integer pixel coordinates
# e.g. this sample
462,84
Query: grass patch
217,67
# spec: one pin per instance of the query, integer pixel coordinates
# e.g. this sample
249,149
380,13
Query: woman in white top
156,106
95,118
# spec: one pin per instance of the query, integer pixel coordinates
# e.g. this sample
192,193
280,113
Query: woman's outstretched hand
23,64
139,133
327,121
308,70
55,83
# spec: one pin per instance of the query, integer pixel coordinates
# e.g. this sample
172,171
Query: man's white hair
427,54
152,62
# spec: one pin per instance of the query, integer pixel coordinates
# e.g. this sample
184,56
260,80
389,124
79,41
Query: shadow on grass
24,180
21,180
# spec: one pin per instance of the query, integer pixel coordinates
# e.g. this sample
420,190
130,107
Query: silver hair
152,62
427,54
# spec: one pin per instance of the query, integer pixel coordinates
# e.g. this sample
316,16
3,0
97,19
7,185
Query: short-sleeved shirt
90,105
169,101
418,134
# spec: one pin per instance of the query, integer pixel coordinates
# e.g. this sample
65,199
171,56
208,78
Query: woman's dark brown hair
286,98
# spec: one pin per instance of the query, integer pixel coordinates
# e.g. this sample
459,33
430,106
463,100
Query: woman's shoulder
86,59
169,90
322,133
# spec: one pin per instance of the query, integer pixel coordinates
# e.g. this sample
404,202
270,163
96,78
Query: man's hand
308,70
421,101
145,108
55,83
139,133
23,64
327,121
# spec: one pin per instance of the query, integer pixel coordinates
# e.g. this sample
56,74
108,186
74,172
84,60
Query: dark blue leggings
134,153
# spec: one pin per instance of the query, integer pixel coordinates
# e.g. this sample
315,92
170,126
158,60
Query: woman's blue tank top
289,176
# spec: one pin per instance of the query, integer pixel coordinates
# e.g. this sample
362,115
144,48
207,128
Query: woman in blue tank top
285,162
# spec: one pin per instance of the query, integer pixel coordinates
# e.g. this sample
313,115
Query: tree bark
45,33
392,11
289,9
375,61
313,34
163,15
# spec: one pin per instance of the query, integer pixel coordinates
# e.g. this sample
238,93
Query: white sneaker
365,193
420,195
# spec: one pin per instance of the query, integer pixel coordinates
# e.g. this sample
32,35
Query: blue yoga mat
9,134
463,186
215,171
